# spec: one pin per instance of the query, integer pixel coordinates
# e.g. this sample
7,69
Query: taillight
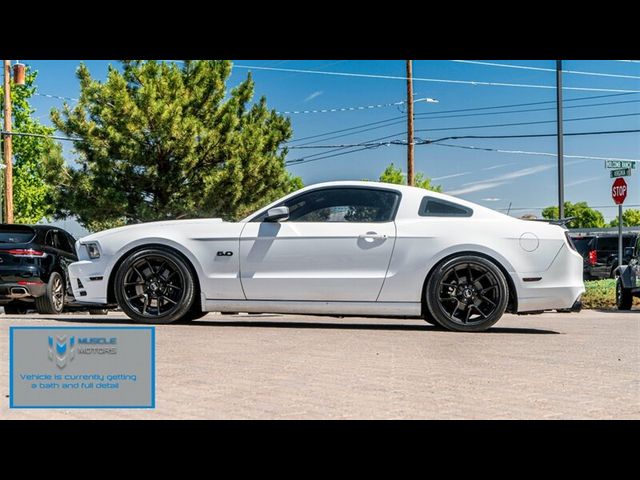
593,257
25,282
25,252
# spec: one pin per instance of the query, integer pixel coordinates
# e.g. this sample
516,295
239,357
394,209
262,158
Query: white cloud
499,180
491,199
453,175
584,180
475,188
502,165
313,95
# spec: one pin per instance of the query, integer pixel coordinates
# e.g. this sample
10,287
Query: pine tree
161,141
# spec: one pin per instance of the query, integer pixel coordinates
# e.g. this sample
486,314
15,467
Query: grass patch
602,294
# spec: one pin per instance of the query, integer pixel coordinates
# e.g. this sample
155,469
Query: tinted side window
637,251
49,239
63,242
344,205
611,243
433,207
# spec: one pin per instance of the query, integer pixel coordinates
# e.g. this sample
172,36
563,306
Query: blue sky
493,179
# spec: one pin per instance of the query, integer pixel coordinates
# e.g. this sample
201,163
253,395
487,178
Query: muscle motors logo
63,349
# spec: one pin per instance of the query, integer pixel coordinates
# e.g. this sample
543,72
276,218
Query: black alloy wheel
467,293
155,285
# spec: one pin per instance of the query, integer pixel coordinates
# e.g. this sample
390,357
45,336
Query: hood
151,227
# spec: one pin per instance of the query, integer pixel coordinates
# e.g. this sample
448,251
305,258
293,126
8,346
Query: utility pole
560,142
409,123
7,144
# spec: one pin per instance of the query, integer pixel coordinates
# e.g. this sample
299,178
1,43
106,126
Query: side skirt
370,309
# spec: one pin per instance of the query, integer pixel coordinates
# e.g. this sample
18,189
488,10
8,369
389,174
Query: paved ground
548,366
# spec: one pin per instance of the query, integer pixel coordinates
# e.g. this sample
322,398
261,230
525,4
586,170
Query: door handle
372,236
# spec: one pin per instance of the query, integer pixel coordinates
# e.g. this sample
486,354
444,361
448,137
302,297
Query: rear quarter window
435,207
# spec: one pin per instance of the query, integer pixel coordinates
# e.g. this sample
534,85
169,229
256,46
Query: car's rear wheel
154,285
467,293
624,297
52,302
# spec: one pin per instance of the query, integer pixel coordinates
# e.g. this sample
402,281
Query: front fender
624,272
150,242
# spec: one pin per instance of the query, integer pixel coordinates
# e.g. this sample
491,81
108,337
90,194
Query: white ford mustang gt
337,248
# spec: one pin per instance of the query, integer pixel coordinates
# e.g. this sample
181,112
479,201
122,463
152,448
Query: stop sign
619,191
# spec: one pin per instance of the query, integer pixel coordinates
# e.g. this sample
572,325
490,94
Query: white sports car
337,248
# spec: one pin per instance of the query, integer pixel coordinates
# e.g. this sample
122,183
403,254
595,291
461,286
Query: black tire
98,311
13,309
52,302
154,285
467,286
624,297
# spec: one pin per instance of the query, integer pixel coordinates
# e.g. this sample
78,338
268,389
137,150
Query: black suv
33,268
600,253
628,281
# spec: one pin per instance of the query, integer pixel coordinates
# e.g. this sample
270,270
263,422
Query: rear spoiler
556,221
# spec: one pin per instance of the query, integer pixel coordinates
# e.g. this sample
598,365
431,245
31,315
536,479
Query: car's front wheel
154,285
624,298
467,293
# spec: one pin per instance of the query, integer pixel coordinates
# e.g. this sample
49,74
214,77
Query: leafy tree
630,218
393,174
37,164
586,217
163,141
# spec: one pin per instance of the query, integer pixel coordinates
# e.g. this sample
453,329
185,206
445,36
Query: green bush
601,294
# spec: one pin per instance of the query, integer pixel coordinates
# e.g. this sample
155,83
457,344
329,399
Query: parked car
338,248
601,254
33,269
628,277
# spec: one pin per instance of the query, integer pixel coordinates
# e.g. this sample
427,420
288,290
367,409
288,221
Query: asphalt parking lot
551,366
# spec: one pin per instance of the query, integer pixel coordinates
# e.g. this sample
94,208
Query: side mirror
277,214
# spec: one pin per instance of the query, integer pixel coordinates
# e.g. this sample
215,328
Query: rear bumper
15,291
559,288
88,282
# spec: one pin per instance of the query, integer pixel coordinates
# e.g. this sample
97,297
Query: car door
335,246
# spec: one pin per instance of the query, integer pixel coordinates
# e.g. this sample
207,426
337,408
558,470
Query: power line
472,115
434,80
592,97
372,144
539,122
524,152
470,127
56,97
523,67
39,135
353,109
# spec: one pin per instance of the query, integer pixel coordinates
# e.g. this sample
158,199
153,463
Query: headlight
92,250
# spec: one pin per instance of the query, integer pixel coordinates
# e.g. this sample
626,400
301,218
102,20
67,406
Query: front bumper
559,288
88,282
